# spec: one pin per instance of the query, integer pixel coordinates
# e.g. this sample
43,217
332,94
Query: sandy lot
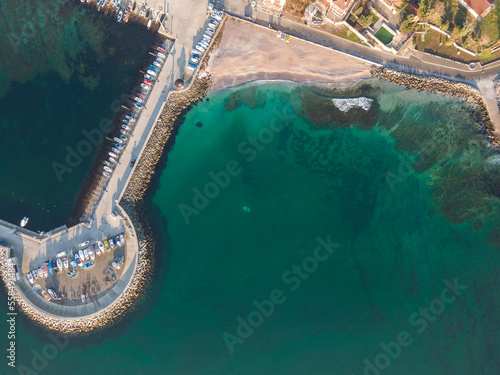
248,52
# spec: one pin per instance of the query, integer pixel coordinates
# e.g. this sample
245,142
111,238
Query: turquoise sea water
405,198
62,71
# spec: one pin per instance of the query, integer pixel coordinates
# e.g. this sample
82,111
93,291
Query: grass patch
345,33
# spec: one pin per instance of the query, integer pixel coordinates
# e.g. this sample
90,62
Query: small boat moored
30,277
24,221
115,265
45,295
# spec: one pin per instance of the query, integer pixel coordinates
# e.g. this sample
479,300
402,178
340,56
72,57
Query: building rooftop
479,6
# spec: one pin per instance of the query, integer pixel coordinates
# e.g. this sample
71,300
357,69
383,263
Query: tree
365,21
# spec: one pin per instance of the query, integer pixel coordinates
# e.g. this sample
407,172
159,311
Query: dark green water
399,240
63,70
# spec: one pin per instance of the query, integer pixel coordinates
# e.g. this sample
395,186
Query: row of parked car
202,46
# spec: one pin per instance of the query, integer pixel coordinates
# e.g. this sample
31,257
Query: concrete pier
32,249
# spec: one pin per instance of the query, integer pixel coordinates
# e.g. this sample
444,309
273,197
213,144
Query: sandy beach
248,52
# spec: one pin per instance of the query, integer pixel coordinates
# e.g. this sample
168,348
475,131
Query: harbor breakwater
458,90
132,203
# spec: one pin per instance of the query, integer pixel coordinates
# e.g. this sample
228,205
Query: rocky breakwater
443,86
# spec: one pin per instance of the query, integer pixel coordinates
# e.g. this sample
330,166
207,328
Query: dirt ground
248,52
91,281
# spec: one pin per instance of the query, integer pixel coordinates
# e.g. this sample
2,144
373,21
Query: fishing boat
124,138
159,49
148,82
106,174
107,163
66,263
112,160
130,118
24,221
83,298
78,259
52,293
91,255
157,64
147,76
149,23
144,86
116,140
82,255
138,105
112,154
51,268
115,265
45,295
118,5
119,260
153,68
30,277
85,254
35,274
59,264
108,169
120,15
83,244
161,55
125,121
125,127
40,272
151,72
138,100
122,238
101,246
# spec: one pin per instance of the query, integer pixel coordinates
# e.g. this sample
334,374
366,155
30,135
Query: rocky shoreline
132,203
443,86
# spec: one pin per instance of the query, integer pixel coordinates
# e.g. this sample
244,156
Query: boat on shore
112,154
78,260
24,221
73,264
51,268
91,255
88,264
85,254
120,15
35,274
45,295
52,293
83,298
82,255
66,263
40,272
101,245
119,260
59,264
45,271
30,278
106,174
116,266
122,238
